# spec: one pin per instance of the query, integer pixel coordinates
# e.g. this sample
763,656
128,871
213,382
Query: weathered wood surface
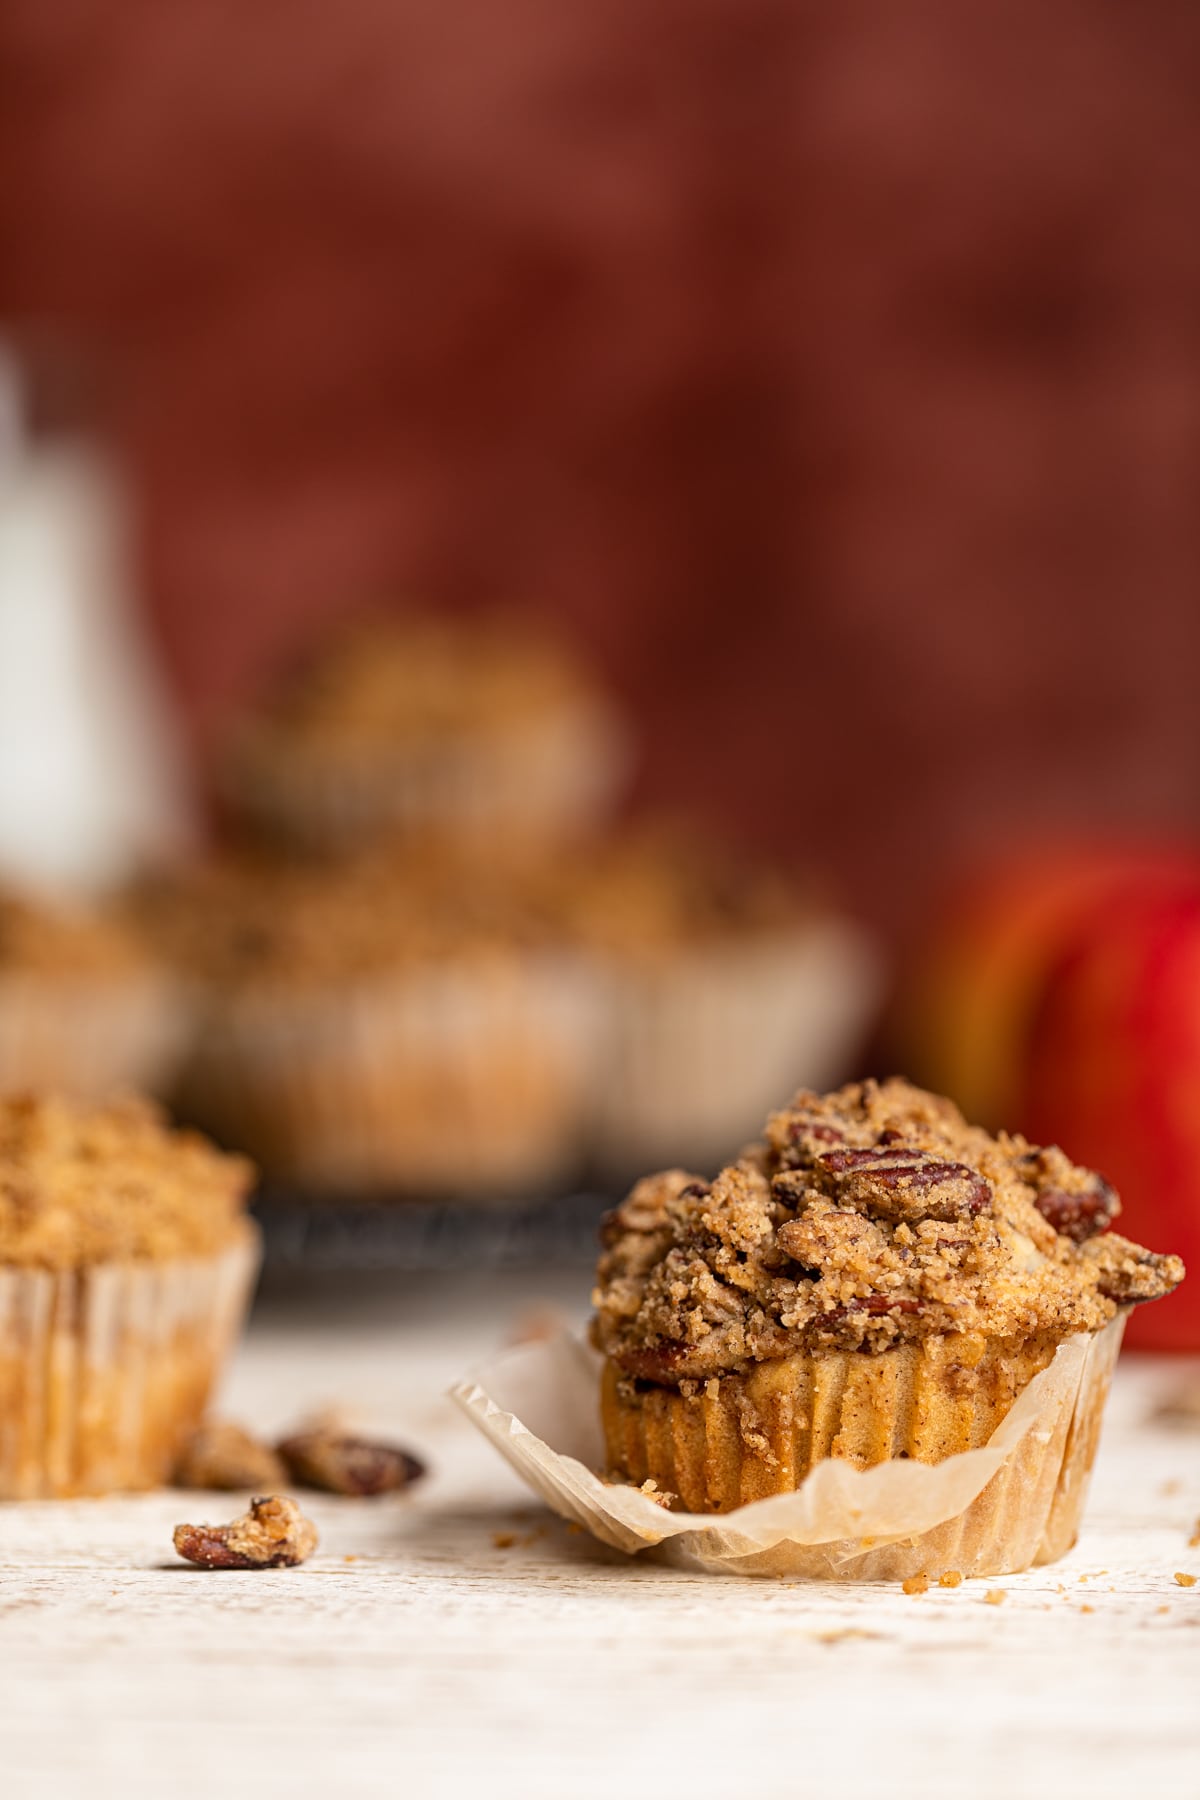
416,1655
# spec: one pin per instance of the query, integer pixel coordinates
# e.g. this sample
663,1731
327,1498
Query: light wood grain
414,1657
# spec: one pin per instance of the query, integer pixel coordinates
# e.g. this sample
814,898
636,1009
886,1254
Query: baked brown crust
81,1185
867,1218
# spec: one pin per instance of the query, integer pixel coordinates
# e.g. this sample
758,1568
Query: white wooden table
421,1653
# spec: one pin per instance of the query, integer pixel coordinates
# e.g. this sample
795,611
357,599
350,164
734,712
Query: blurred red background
833,373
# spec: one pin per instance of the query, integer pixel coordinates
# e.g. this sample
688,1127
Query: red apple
1113,1076
962,1018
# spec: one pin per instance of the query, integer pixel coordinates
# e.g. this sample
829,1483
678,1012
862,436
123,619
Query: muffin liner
451,1078
89,1037
991,1511
701,1043
106,1370
556,777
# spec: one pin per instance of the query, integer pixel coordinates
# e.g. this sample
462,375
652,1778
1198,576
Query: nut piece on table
274,1534
340,1463
225,1456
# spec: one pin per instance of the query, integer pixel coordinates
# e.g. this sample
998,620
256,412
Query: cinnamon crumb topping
866,1218
83,1184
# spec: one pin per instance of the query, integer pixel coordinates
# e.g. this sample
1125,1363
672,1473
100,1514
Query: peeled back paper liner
992,1511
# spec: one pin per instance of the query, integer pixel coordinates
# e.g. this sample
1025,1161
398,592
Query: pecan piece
899,1183
653,1362
1078,1203
824,1234
338,1462
1127,1274
875,1305
1079,1216
224,1456
274,1534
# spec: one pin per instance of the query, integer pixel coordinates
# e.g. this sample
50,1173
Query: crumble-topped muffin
876,1278
654,890
84,1008
126,1263
472,729
383,1022
724,978
81,1185
868,1218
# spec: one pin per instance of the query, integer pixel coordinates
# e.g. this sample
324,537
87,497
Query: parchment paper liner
992,1511
105,1370
444,1077
700,1042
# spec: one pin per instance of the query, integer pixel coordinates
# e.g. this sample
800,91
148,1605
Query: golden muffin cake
381,1023
84,1010
479,731
126,1264
876,1279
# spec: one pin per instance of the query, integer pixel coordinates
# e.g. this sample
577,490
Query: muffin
84,1010
724,986
126,1263
479,731
382,1024
876,1279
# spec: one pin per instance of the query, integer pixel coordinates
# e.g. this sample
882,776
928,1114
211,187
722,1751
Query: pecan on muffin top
870,1217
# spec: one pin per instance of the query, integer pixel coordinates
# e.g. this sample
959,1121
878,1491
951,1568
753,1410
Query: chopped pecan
1079,1216
653,1362
274,1534
873,1304
225,1456
804,1141
824,1234
1078,1203
338,1462
1128,1274
899,1183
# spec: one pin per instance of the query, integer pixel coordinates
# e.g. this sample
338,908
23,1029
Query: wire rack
414,1236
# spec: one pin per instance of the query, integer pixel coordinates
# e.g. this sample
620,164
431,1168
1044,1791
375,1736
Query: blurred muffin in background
383,1023
85,1009
723,984
126,1264
479,731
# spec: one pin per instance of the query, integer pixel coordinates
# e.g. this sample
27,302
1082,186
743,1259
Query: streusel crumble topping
866,1218
84,1184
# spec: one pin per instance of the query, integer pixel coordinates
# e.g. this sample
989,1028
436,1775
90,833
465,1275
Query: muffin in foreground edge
875,1280
126,1264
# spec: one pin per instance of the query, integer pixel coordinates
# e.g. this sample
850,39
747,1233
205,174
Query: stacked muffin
434,965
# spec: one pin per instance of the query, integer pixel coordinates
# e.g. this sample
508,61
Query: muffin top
273,922
80,1185
39,937
397,682
660,888
866,1218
